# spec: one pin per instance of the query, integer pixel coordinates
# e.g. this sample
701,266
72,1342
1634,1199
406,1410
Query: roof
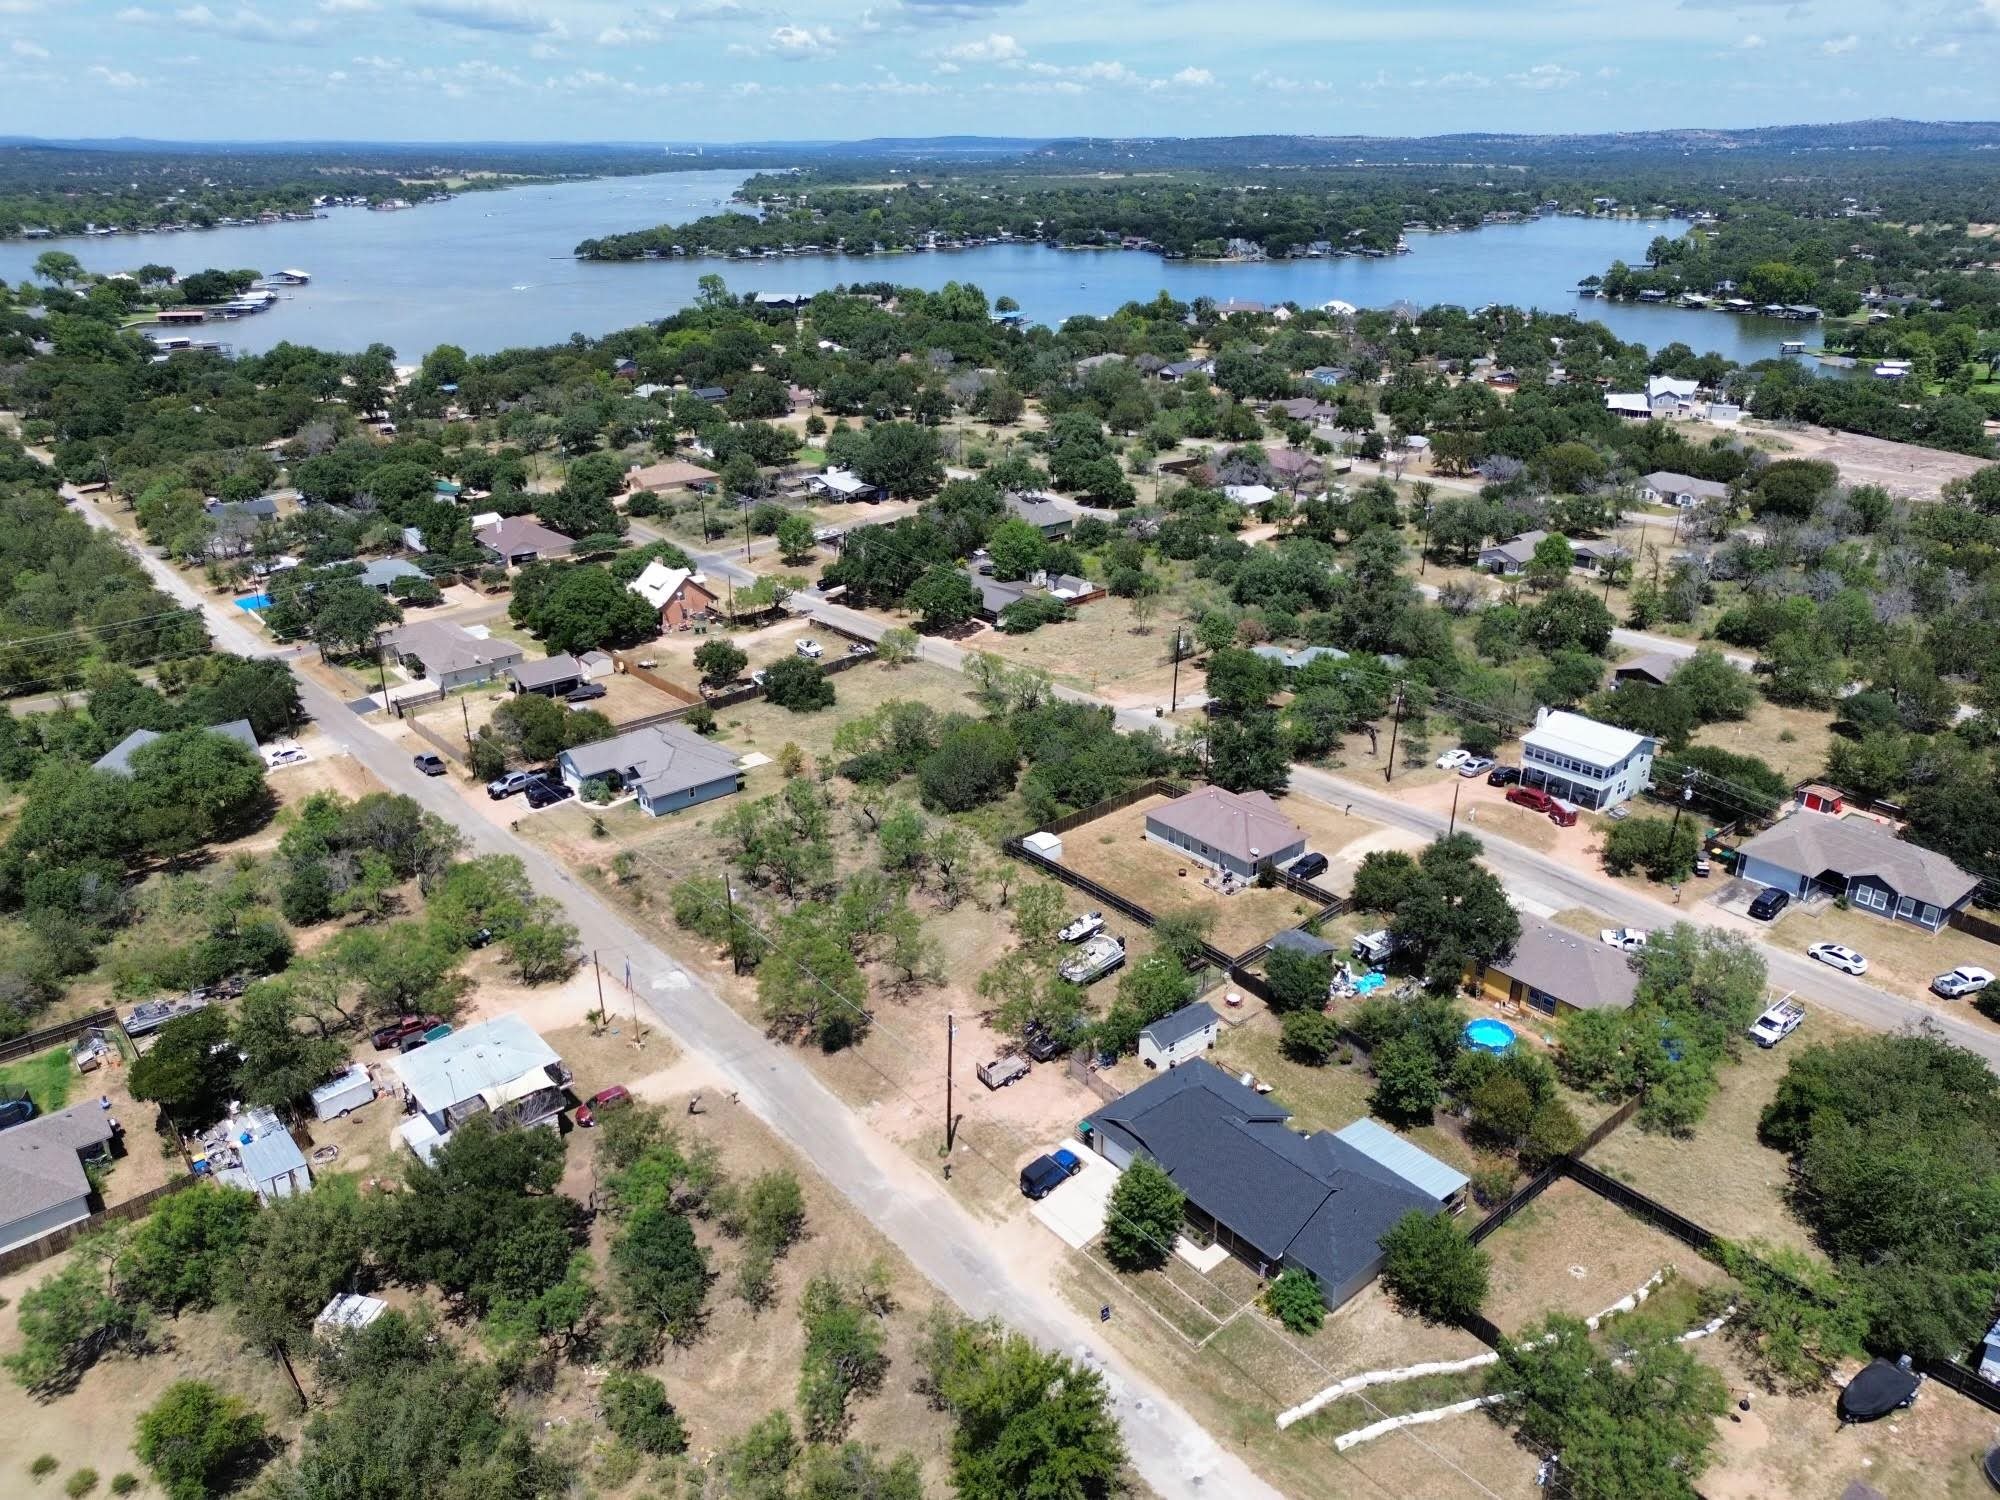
1628,402
1666,385
39,1169
995,595
262,507
1313,1200
1189,1020
1657,665
1410,1162
271,1155
1305,656
118,759
659,583
1250,494
529,675
658,760
386,570
1291,463
843,482
1577,970
515,535
466,1063
444,647
1038,510
1667,482
1247,825
1565,733
1520,549
350,1310
340,1083
1810,843
671,473
1298,940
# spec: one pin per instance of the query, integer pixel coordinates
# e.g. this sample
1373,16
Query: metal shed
350,1090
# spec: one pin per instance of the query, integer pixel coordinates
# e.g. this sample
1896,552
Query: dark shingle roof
1182,1024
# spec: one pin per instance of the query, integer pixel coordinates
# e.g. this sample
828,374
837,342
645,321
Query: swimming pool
254,602
1489,1035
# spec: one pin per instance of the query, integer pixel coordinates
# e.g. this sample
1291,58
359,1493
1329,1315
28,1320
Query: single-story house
1511,557
1305,656
263,508
1653,669
552,676
450,655
42,1183
668,474
1184,369
1173,1039
384,571
1043,512
500,1067
843,485
1273,1197
1581,761
1240,307
1240,832
1291,466
1628,404
1862,860
1594,556
1250,496
1308,409
522,539
1442,1182
118,759
710,393
679,594
1557,972
1664,487
667,767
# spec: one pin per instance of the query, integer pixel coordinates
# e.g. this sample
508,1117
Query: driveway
1076,1210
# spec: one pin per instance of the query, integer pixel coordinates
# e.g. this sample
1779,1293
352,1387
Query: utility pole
950,1035
746,534
1389,770
1687,796
466,714
1454,808
1174,698
381,670
729,896
597,973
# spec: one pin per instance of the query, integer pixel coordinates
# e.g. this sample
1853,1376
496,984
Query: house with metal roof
1862,860
1269,1195
1581,761
383,572
43,1186
1241,832
667,767
500,1067
1045,513
680,595
1174,1039
668,474
274,1166
1412,1163
450,655
843,485
118,759
1556,972
1654,669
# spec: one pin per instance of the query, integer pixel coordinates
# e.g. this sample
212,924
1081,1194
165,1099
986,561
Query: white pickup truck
1777,1023
1094,960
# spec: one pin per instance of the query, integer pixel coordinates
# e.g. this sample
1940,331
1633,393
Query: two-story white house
1583,762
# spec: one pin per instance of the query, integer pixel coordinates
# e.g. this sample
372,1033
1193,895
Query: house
1381,1145
1328,375
1653,669
1584,762
1236,307
1862,860
517,540
43,1186
1667,397
450,655
237,523
710,393
843,485
1664,487
264,508
1250,496
1597,556
1043,512
1305,656
1628,404
380,574
1272,1197
1308,409
118,759
1173,1039
1097,362
552,676
1185,369
499,1067
665,766
669,474
679,594
1511,557
1557,972
1240,832
1291,467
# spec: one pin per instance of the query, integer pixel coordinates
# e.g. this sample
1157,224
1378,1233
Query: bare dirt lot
1794,741
1901,468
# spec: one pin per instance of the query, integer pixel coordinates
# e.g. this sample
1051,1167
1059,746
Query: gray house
1240,832
666,766
1272,1197
451,655
1046,514
552,676
522,539
1862,860
42,1183
384,571
1664,487
118,759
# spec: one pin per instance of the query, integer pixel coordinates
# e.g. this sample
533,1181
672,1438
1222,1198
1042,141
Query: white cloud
117,78
989,49
1464,81
243,23
799,42
634,35
1750,43
1835,46
23,48
348,7
510,17
1943,49
1545,76
1190,78
1279,83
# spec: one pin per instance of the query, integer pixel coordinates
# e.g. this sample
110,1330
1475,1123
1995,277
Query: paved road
956,1252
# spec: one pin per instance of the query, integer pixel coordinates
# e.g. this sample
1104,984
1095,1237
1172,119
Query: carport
1076,1210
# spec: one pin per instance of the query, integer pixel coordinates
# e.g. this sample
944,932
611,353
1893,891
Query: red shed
1818,797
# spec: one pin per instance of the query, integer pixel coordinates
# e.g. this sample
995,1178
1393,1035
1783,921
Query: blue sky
761,69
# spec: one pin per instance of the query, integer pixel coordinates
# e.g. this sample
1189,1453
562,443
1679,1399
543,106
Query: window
1906,909
1872,897
1541,1000
1929,915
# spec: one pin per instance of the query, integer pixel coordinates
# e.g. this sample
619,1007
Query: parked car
1477,765
588,692
1086,926
480,939
1624,939
759,677
506,786
1619,813
395,1032
1451,760
429,762
1966,979
284,755
16,1112
1703,867
1503,776
1045,1045
544,791
1045,1174
1307,866
614,1097
1002,1071
1770,901
1838,956
809,648
1531,797
860,648
1561,814
1777,1023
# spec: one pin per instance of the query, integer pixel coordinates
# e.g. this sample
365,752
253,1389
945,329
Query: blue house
665,766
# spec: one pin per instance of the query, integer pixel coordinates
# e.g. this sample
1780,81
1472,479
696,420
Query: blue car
1045,1174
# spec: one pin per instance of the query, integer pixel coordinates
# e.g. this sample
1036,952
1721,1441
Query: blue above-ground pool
254,602
1489,1035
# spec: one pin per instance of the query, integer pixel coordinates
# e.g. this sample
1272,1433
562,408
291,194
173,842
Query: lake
489,271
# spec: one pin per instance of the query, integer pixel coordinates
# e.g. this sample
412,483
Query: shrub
123,1483
637,1411
1310,1037
798,685
81,1483
1299,981
196,1439
44,1466
1146,1209
1432,1269
1294,1299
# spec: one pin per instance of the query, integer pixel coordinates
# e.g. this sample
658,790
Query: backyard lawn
46,1078
1793,741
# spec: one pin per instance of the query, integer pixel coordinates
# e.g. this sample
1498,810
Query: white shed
1048,845
1172,1040
338,1095
349,1310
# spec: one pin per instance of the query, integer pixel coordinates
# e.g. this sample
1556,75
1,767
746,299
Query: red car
1540,801
615,1097
396,1032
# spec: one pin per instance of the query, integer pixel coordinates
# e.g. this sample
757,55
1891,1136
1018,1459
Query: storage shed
1048,845
275,1166
1173,1039
349,1091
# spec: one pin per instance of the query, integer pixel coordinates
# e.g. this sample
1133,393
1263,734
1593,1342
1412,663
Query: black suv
544,791
1770,901
584,694
1503,775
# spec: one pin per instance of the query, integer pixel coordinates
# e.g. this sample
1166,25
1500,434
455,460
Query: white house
1173,1039
500,1067
1583,762
1250,496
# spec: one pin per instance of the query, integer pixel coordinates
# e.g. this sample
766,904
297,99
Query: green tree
1294,1299
637,1411
1040,913
795,537
197,1440
808,984
720,661
1310,1037
1299,981
943,598
179,1255
794,683
1144,1217
843,1358
71,1319
1551,563
904,460
190,1072
1016,547
1655,846
1406,1080
1432,1269
660,1274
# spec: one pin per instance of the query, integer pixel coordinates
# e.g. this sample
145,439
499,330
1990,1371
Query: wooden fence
451,747
655,680
52,1244
38,1041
